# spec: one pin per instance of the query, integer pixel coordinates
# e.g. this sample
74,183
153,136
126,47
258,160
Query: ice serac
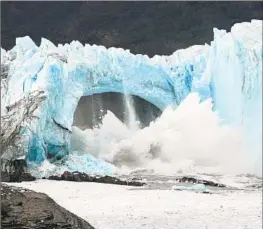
236,81
229,70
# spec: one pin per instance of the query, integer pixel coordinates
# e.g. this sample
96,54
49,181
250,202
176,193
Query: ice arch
66,73
229,71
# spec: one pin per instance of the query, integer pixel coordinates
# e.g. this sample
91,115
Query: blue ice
229,70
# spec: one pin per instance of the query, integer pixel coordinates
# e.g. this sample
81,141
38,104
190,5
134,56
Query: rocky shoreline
83,177
16,171
26,209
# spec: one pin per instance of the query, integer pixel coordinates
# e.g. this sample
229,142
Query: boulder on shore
22,208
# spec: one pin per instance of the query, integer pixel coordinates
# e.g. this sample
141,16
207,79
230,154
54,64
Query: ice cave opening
91,110
104,119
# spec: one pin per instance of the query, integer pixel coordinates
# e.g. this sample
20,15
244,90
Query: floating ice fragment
196,187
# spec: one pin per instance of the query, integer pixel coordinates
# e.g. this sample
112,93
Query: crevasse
229,70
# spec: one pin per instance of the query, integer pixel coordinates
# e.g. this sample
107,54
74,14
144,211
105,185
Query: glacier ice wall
235,75
229,70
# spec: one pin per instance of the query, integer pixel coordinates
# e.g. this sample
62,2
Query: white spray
189,137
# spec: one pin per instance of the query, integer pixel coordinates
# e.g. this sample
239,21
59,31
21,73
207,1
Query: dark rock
15,171
25,209
199,181
4,71
82,177
158,27
22,177
256,186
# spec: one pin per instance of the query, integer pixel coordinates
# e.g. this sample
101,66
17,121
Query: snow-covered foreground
121,207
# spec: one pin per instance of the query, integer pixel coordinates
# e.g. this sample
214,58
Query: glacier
229,71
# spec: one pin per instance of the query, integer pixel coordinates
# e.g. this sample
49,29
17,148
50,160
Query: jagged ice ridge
229,70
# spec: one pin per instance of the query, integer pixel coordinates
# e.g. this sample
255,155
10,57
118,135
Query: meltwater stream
187,139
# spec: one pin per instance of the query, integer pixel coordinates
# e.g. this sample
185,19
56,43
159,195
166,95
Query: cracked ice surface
229,70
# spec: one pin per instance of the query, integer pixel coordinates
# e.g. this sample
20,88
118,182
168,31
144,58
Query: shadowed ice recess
198,109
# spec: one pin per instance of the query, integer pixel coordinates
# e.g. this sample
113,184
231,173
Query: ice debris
196,188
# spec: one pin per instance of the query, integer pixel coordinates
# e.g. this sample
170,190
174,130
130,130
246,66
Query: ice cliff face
229,70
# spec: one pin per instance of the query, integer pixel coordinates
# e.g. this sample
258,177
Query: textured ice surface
74,162
229,70
117,206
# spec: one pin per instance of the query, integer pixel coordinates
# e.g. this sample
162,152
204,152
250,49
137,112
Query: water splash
130,113
191,137
131,119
